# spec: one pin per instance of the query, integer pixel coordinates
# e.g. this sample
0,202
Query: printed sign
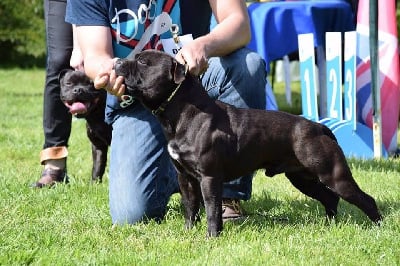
308,76
334,75
172,48
350,77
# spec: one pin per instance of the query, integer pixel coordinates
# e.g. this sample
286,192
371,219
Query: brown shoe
231,210
50,177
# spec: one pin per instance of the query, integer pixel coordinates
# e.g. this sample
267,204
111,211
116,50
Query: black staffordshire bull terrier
84,101
211,142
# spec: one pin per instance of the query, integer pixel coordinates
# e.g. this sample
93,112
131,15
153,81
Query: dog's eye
141,61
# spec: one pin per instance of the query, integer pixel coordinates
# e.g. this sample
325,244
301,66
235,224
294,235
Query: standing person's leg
142,176
238,79
56,119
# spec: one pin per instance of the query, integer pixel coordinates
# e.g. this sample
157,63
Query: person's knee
248,79
255,65
137,212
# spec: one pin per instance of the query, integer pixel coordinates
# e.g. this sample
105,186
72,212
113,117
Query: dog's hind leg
326,160
337,176
312,187
342,183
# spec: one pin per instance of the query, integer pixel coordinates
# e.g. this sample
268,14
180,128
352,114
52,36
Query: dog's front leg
99,153
211,189
191,198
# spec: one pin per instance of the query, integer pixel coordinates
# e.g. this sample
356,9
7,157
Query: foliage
70,224
22,34
398,20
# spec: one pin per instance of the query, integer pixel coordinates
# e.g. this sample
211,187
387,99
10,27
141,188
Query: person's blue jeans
142,177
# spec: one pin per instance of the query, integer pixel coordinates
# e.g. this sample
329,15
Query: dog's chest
173,151
185,156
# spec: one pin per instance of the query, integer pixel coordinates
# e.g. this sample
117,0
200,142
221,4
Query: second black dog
211,142
84,101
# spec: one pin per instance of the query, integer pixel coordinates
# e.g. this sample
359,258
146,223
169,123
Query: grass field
70,224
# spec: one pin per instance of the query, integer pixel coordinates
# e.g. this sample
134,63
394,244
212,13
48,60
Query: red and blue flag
389,77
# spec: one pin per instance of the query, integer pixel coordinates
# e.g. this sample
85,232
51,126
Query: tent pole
375,87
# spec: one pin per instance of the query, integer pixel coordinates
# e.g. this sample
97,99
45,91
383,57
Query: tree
22,32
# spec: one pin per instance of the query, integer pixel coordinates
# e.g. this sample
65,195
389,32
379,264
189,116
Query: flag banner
389,77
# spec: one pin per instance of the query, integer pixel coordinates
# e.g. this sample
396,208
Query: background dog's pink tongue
77,108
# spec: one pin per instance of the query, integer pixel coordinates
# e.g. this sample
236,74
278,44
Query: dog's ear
179,72
62,74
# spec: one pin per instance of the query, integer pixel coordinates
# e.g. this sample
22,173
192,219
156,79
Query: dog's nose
119,67
77,90
118,63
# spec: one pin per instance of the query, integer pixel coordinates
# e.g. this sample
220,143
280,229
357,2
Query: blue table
275,25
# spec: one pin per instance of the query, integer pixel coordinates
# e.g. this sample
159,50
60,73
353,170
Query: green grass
279,92
70,224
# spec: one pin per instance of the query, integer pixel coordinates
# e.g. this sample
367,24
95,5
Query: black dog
211,142
84,101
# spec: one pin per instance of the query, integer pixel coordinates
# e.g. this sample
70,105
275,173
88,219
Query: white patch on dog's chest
173,153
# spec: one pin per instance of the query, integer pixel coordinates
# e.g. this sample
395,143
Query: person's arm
233,29
96,45
76,60
231,33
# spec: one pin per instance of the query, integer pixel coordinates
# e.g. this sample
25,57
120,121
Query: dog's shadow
265,211
269,209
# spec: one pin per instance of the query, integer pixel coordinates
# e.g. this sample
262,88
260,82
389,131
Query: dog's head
151,77
78,93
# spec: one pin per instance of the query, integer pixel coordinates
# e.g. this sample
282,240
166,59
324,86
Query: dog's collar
161,108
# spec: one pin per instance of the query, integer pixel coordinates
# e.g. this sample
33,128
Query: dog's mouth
77,108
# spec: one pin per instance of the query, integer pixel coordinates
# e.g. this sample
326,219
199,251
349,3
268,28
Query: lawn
70,224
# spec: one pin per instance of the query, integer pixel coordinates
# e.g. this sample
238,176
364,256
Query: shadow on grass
264,211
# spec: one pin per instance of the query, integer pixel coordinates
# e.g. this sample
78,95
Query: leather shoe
50,177
231,210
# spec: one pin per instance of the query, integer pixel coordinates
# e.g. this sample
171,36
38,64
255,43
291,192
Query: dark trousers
56,118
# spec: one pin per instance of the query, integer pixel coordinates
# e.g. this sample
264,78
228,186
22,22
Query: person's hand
194,56
76,60
108,80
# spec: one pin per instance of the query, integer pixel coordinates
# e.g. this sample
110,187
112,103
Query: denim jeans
142,177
